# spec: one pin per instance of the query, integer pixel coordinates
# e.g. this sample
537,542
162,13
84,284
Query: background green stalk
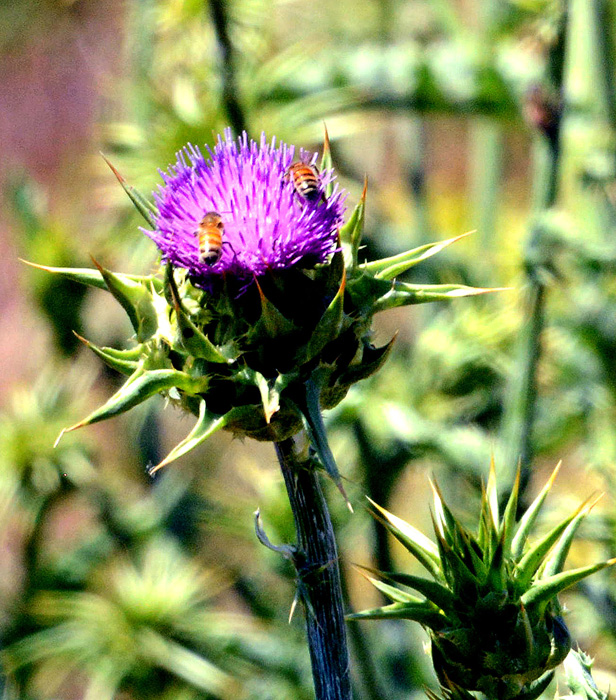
602,19
417,177
487,164
220,21
487,139
368,680
318,577
521,398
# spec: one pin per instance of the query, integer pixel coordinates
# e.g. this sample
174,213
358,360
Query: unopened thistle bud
491,604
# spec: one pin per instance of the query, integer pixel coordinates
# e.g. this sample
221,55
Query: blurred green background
497,116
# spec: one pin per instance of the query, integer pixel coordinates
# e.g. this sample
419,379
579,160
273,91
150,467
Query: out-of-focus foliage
31,469
429,97
112,595
139,632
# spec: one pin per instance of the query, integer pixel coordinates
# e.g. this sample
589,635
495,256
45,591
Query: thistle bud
491,603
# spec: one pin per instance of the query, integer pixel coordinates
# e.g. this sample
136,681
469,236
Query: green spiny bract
257,358
579,678
491,607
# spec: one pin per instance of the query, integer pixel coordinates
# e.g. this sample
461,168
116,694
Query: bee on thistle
209,234
306,181
263,227
239,195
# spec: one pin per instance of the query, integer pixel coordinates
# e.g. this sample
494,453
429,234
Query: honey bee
305,180
209,234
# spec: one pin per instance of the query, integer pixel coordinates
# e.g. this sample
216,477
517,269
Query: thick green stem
318,576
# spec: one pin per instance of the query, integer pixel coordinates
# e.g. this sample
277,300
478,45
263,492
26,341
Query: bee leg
228,243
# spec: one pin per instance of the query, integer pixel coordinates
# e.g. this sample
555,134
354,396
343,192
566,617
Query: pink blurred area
57,61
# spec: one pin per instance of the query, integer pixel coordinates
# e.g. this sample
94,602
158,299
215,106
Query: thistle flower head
262,320
491,603
268,225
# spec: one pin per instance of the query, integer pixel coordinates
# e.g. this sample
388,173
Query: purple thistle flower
267,224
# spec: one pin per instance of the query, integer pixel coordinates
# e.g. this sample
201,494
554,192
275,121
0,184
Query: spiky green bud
491,605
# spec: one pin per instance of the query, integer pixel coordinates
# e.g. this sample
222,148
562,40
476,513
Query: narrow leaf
489,525
543,591
84,275
487,535
404,294
420,546
466,549
458,574
93,278
492,497
448,525
393,593
530,562
143,206
329,325
556,562
423,613
136,299
435,592
388,268
351,233
326,161
311,410
530,516
496,574
207,424
124,361
509,516
140,386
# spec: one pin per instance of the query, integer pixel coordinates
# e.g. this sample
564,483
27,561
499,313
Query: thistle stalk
318,574
220,22
487,137
520,410
602,22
